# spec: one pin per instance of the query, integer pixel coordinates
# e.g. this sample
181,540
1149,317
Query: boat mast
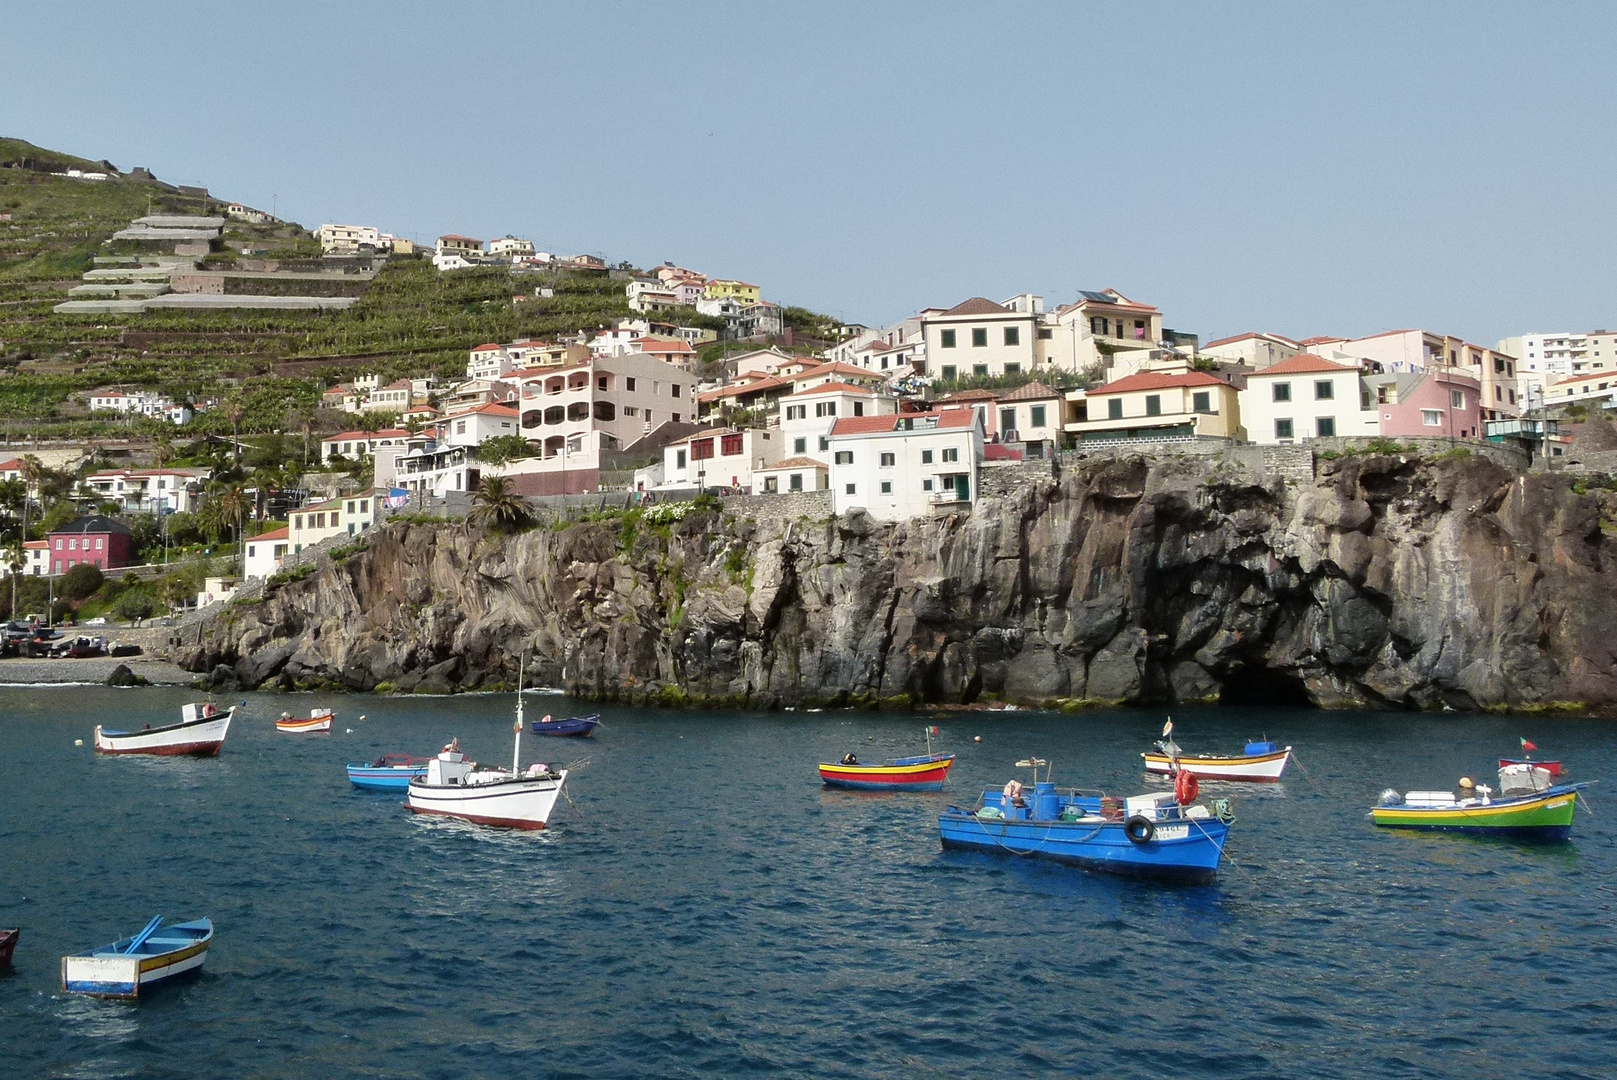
516,751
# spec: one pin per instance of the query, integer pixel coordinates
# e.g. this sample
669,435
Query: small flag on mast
1527,747
932,731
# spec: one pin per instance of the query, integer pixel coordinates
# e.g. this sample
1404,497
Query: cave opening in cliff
1260,686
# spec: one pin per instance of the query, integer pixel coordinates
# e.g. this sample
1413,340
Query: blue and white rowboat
154,955
390,772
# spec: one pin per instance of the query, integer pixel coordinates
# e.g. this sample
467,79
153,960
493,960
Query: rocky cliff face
1386,581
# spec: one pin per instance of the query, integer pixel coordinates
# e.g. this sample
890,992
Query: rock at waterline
122,676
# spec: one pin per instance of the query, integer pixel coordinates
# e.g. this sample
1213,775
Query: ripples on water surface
709,910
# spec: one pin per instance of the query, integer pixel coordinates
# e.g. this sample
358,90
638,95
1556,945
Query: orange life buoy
1185,788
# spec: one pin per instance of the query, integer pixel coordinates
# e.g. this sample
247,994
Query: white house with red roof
1255,350
35,559
475,426
1597,386
149,490
906,464
981,338
674,351
720,457
265,553
806,417
1307,397
489,361
356,444
790,475
1157,406
1104,330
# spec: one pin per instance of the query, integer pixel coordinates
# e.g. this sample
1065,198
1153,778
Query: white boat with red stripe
1261,763
200,733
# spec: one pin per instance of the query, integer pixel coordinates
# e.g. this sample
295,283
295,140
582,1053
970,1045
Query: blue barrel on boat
1046,805
1253,749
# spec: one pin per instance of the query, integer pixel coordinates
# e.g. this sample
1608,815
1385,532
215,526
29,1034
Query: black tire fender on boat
1139,829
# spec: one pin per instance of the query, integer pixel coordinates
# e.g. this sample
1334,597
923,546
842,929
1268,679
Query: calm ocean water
707,910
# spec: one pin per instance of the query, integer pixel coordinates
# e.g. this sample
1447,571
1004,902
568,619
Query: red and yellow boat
925,773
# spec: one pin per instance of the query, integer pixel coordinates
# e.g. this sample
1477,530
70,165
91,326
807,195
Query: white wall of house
721,458
906,471
959,346
1306,405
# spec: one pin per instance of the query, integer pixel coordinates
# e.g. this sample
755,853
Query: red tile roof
867,425
969,395
1154,380
794,463
355,436
1310,342
834,388
978,305
493,408
486,347
1301,364
283,533
1033,391
1251,334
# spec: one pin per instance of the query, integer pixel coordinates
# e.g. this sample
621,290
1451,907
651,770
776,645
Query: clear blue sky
1302,168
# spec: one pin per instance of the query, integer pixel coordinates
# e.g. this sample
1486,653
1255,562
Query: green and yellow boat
1529,809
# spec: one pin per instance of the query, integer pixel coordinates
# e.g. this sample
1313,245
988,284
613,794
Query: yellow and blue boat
1530,808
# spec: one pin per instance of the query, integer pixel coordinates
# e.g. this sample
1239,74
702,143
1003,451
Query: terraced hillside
411,321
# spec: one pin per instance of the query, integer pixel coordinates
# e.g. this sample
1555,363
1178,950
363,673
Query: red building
100,540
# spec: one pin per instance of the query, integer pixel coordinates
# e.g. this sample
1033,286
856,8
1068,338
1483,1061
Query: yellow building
739,291
1156,405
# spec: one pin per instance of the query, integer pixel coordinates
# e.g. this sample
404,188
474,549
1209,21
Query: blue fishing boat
156,954
581,727
390,772
1161,835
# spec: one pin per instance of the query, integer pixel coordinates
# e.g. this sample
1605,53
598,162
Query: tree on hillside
496,507
233,411
81,581
503,448
225,510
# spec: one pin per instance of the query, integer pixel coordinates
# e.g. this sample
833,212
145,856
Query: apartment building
744,293
1599,387
807,416
349,239
510,247
900,466
465,247
1545,358
149,490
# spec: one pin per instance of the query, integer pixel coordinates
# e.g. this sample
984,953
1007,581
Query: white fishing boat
514,799
200,732
1261,761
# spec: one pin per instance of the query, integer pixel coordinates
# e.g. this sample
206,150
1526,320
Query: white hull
512,803
201,737
1260,768
299,728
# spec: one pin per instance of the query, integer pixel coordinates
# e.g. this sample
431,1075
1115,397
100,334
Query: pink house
1438,402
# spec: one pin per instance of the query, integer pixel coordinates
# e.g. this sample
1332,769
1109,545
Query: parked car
99,620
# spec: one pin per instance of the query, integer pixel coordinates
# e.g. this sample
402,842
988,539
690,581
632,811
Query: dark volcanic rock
1385,581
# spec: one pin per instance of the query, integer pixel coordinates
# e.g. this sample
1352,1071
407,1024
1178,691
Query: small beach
37,672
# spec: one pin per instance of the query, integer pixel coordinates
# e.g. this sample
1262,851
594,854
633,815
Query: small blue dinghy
156,954
581,727
390,772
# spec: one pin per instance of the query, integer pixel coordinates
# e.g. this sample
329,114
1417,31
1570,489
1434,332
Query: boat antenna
516,750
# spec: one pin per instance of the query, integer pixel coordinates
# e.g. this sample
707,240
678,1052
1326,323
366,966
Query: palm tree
227,507
497,507
233,411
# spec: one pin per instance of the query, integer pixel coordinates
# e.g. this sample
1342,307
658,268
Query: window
630,410
1431,417
949,372
1035,416
796,482
979,337
926,459
825,408
799,446
1201,401
796,412
825,443
888,461
845,457
675,388
1013,335
1325,427
1457,399
73,544
679,459
886,487
1097,325
1282,391
1045,333
730,445
951,454
1153,404
1013,368
701,449
979,370
1324,390
859,408
1007,420
600,384
1114,408
926,485
100,543
849,489
1283,429
771,484
628,384
1499,393
364,506
948,340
